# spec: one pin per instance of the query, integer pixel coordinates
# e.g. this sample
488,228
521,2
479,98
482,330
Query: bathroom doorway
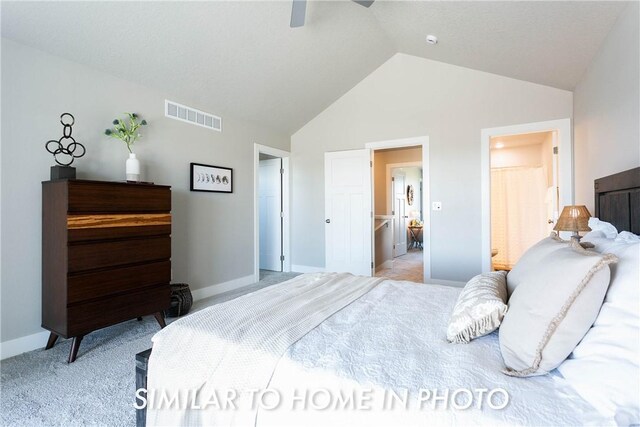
562,153
524,193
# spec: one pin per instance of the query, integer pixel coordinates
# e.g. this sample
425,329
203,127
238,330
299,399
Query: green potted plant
126,130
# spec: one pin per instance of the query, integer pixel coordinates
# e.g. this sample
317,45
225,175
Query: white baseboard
219,288
452,283
23,344
387,264
307,269
38,340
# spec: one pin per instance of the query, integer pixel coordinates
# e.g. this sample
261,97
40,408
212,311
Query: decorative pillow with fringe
529,262
552,309
480,307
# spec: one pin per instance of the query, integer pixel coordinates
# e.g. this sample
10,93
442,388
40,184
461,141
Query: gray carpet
39,388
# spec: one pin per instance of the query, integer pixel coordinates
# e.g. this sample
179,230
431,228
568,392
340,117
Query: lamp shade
573,218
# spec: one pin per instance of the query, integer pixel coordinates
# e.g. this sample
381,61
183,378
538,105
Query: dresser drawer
87,234
93,256
97,226
86,317
88,286
90,196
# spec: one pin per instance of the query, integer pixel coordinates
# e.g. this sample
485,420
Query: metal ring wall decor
64,153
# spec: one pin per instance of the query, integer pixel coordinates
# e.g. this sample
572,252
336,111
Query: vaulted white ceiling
241,58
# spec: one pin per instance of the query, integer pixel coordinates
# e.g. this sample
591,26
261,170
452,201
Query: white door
398,181
270,207
348,211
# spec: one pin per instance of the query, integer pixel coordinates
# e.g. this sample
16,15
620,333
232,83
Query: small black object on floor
181,300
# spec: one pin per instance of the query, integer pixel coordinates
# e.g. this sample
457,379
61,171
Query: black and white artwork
210,178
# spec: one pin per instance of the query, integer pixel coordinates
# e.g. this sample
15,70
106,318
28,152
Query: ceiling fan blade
365,3
298,10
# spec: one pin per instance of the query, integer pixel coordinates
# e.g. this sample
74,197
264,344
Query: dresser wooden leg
159,315
52,340
75,345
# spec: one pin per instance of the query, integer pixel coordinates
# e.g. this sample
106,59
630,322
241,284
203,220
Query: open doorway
398,221
524,193
548,186
350,213
271,224
270,212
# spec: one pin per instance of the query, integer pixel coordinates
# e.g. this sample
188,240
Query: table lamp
574,218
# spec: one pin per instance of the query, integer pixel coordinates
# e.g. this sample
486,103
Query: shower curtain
518,212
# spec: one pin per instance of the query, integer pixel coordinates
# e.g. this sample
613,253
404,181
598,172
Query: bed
381,346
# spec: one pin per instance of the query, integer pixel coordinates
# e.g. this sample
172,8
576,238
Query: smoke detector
431,39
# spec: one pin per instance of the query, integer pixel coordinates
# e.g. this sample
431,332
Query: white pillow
530,261
607,228
597,234
480,307
627,237
605,367
552,309
599,240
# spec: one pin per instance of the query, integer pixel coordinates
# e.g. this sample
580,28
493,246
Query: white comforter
393,338
226,350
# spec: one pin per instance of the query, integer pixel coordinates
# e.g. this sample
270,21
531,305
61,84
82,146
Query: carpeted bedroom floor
40,388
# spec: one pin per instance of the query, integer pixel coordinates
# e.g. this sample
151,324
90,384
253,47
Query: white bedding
235,347
394,338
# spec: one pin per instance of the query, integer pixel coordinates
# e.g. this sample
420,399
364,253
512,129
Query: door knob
550,221
328,221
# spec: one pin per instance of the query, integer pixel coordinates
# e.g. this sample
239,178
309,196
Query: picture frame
210,178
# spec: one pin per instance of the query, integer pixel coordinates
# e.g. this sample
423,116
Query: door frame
286,232
422,141
565,177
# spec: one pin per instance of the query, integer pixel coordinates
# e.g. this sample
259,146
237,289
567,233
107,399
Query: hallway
405,267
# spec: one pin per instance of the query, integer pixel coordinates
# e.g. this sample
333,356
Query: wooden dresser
106,255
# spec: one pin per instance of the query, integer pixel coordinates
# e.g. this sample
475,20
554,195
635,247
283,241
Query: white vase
133,168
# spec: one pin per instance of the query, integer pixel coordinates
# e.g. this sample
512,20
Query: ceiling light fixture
431,39
499,145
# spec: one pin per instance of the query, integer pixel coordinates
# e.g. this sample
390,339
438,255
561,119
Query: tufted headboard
618,200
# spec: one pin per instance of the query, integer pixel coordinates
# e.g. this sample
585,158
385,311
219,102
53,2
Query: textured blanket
200,361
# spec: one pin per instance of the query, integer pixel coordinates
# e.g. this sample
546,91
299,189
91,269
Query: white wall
524,156
607,108
407,97
212,243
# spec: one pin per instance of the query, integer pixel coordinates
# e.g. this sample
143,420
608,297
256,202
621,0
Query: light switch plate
436,206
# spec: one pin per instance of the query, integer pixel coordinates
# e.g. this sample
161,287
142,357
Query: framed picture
214,179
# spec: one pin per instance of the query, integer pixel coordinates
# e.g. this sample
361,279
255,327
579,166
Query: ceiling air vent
191,115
